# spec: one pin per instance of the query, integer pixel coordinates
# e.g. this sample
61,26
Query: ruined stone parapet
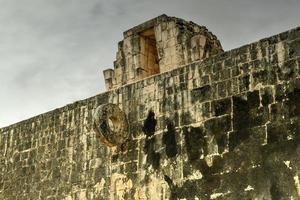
159,45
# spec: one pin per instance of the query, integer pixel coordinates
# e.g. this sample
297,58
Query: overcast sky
52,52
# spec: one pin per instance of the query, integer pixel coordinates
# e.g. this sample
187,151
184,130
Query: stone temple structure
181,120
157,46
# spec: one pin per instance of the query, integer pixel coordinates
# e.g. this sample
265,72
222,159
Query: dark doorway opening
149,56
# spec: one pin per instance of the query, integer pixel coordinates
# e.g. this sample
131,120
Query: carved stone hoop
110,125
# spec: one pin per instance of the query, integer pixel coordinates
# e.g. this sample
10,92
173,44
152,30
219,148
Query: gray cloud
52,52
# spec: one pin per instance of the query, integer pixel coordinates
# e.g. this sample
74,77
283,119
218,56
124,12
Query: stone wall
224,128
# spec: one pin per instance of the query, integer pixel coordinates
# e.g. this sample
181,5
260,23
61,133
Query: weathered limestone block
111,125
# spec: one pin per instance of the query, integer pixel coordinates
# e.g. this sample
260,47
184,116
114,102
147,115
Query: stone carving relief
110,125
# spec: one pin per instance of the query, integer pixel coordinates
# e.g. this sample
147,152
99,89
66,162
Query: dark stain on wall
240,113
201,94
169,140
217,128
241,121
195,142
294,102
247,114
153,158
222,107
150,124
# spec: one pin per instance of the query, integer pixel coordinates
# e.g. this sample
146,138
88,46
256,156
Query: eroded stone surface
110,125
226,127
